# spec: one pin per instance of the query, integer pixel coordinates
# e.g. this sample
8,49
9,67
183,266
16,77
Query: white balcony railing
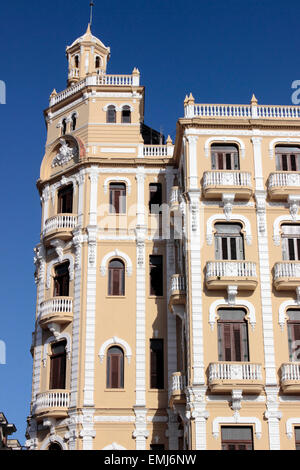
284,179
56,305
175,193
60,221
288,269
290,371
177,283
226,178
235,371
157,150
230,269
95,80
74,73
241,111
55,399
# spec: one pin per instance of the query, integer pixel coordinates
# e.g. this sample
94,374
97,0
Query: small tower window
76,61
116,277
64,127
126,114
115,368
111,114
97,62
74,121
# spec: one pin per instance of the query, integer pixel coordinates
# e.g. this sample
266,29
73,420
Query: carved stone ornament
66,153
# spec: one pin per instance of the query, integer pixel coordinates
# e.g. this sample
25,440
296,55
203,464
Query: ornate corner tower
100,345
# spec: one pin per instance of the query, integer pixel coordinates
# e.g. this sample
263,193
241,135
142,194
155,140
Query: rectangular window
155,198
297,438
61,280
293,326
156,275
232,336
58,367
237,438
117,198
287,159
291,242
225,158
157,363
65,200
229,242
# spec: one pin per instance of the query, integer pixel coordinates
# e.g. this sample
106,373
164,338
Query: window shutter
218,251
227,341
213,161
240,248
278,163
116,287
115,368
236,161
237,342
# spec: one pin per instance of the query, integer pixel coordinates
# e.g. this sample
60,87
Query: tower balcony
221,274
287,275
228,376
177,291
283,184
177,386
216,183
56,310
59,226
290,377
51,404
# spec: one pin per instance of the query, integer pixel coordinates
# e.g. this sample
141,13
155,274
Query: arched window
61,280
293,326
54,446
58,360
229,242
65,200
115,368
111,114
290,242
126,114
225,157
116,277
64,126
76,61
74,121
287,158
232,335
117,198
97,62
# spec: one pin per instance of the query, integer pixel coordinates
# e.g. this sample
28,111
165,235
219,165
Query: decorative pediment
65,154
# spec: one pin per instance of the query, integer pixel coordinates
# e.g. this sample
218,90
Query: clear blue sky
221,51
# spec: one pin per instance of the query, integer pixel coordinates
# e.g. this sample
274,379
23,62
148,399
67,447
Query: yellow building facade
168,301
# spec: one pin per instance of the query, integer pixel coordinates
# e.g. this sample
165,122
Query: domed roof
88,37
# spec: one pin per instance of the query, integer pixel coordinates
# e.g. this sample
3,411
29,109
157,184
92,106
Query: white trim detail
224,139
118,254
114,446
239,303
54,439
236,419
235,217
289,426
284,140
66,257
277,223
115,341
123,179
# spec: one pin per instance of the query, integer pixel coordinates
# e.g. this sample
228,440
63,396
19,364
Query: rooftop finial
92,4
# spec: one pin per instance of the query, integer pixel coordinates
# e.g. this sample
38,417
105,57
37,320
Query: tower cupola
86,56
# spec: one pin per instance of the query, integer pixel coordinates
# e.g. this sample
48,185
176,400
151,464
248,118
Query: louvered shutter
213,161
227,342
